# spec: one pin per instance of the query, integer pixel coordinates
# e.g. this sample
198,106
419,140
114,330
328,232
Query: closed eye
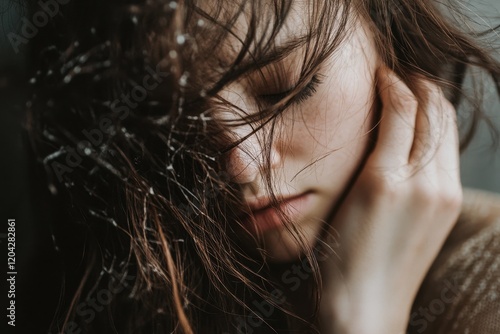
307,92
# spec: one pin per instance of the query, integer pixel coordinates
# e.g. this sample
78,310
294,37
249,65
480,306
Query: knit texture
461,292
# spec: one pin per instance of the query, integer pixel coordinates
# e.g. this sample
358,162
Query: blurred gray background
480,162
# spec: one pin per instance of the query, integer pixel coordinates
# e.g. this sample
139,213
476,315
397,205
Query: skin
332,127
402,205
397,216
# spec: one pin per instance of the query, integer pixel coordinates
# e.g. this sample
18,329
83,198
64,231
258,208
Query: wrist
341,315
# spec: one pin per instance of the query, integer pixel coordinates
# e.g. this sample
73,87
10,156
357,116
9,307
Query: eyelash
307,92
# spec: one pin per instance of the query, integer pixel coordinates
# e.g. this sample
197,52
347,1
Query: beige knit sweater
461,292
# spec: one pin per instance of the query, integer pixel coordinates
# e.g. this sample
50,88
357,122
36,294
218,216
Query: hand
397,215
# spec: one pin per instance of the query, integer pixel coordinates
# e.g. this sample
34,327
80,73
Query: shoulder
461,292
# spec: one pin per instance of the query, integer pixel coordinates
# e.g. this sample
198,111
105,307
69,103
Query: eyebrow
247,67
273,55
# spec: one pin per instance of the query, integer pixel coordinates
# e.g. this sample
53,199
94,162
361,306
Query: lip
264,217
263,203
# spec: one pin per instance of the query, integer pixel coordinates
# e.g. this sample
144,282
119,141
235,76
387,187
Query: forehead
242,37
256,30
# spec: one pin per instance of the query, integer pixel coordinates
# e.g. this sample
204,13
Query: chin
281,245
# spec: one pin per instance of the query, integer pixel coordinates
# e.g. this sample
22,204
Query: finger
448,152
435,154
438,170
398,118
429,128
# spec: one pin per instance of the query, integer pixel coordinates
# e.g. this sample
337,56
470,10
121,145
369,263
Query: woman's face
318,143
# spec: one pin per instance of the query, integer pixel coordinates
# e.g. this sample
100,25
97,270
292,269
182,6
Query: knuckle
446,198
406,101
452,198
439,101
447,106
424,194
399,96
381,185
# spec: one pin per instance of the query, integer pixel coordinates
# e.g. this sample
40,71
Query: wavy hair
122,125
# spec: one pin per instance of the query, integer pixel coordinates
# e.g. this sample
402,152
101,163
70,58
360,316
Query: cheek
338,122
336,136
336,132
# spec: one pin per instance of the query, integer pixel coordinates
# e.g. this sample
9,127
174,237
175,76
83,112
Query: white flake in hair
181,39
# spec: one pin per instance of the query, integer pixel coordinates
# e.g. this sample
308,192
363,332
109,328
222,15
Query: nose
246,161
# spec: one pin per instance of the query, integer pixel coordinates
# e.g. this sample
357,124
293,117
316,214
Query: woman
255,167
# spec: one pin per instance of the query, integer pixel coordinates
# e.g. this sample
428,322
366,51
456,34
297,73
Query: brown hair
121,121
